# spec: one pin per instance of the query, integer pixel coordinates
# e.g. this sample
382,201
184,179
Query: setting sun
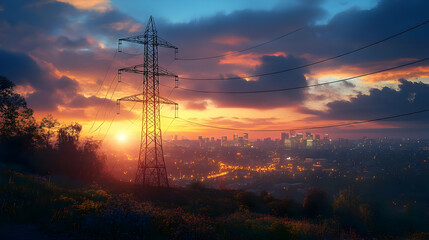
122,137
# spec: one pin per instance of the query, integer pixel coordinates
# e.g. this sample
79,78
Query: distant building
246,138
326,137
309,143
224,141
284,137
200,140
235,137
317,136
292,133
288,143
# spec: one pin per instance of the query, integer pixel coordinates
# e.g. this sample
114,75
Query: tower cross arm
164,43
140,39
139,98
133,69
140,70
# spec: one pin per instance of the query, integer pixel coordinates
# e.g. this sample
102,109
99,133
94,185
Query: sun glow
122,137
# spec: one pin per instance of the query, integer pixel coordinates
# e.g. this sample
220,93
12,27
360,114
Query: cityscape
288,165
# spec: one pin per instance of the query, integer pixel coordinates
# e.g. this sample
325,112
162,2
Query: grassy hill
41,208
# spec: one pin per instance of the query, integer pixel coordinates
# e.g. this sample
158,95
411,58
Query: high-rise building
284,136
200,140
317,136
288,143
326,137
223,141
246,138
235,137
292,133
309,135
299,135
309,143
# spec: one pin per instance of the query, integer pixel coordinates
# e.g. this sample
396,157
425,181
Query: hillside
32,205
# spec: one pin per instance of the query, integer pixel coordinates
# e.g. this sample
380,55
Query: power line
308,128
105,75
242,50
301,87
313,63
111,96
111,122
166,130
104,101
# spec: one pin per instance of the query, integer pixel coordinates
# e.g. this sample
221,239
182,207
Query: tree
68,136
351,210
314,201
18,128
47,128
16,119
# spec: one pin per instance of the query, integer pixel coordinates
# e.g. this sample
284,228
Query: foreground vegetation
79,212
92,212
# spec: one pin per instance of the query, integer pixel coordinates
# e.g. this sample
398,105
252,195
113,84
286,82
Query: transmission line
313,63
110,99
105,75
299,129
104,101
242,50
301,87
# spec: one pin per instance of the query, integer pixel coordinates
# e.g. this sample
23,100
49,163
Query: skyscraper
317,136
246,138
223,141
235,137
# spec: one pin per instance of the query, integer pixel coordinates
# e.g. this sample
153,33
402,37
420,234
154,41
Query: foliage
315,202
28,143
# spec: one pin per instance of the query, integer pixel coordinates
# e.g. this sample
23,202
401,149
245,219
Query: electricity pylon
151,170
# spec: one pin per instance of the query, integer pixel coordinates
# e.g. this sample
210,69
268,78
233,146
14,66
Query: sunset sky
59,53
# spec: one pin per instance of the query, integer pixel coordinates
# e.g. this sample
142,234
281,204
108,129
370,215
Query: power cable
104,101
111,96
301,87
308,128
313,63
242,50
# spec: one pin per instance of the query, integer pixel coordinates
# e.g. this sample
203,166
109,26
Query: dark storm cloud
346,31
410,97
196,37
355,27
66,42
41,15
266,100
50,92
260,101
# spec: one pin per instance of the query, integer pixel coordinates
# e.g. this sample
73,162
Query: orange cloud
346,71
97,5
128,26
230,40
248,59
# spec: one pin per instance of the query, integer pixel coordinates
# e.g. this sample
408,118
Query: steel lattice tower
151,170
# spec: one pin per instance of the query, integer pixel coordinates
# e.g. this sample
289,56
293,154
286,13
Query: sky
62,57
